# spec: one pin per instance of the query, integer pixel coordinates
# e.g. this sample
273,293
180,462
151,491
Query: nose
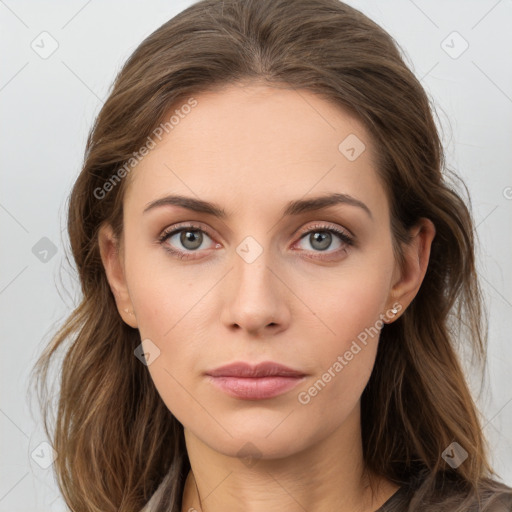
257,296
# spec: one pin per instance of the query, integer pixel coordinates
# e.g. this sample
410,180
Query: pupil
324,238
194,238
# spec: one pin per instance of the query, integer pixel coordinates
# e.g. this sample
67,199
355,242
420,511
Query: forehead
253,145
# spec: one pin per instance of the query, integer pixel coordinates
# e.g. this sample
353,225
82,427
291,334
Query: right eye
190,237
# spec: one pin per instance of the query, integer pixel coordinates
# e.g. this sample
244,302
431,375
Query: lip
255,382
264,369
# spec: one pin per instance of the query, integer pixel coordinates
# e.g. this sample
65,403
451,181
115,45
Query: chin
267,443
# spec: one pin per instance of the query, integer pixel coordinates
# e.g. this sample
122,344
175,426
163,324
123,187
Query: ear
416,258
114,270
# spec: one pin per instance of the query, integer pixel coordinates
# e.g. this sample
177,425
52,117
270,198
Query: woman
275,276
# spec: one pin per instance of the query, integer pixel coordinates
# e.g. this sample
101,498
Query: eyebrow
292,208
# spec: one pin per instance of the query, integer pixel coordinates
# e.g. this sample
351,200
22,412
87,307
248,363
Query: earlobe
114,271
416,256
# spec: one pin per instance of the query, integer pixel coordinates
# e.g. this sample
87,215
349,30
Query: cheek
347,336
351,300
168,315
161,294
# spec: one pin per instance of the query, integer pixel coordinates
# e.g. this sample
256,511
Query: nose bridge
252,262
256,299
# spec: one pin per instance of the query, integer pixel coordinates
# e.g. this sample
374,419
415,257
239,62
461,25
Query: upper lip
265,369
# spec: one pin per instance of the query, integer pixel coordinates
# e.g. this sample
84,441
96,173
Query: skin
251,149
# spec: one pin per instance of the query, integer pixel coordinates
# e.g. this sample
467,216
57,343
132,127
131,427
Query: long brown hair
114,436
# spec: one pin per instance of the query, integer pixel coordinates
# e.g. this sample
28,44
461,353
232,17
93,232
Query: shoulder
498,499
446,494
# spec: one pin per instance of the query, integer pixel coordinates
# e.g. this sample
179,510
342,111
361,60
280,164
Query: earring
128,311
390,313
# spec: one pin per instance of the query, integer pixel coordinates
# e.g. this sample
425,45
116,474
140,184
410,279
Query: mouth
255,382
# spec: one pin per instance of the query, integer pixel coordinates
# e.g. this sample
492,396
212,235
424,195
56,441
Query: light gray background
48,105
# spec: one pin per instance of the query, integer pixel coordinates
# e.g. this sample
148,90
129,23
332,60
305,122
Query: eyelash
168,233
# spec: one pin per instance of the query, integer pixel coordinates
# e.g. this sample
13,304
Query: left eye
322,239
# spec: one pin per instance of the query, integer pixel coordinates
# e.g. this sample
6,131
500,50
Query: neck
329,475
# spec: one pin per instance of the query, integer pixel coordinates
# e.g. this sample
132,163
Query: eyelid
345,236
191,225
198,226
326,226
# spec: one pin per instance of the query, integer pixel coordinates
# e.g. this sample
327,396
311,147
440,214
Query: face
304,287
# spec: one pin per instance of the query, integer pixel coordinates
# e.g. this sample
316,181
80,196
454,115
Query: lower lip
255,388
